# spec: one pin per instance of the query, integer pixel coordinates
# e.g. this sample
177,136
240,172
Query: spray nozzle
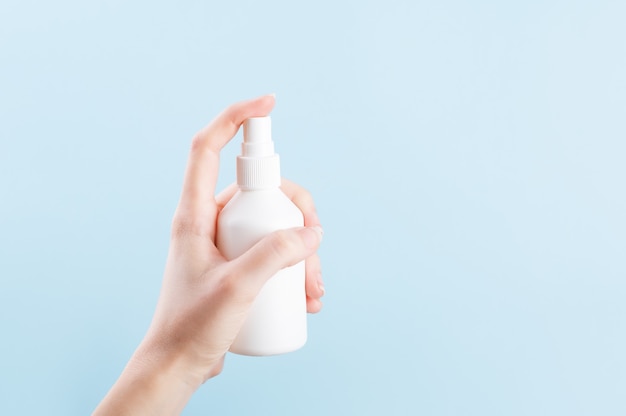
257,137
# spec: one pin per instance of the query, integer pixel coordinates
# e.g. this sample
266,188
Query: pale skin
204,298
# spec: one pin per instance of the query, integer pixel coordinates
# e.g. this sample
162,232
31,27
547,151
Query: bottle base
266,352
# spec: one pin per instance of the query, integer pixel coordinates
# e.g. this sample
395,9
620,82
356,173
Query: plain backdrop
467,159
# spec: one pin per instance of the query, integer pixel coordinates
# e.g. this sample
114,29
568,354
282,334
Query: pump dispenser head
257,137
258,167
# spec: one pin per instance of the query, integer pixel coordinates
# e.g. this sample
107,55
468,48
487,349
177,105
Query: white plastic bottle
276,323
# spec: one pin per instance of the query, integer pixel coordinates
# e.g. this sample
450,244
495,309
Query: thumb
278,250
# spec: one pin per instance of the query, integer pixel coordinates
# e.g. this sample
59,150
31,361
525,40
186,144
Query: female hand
204,298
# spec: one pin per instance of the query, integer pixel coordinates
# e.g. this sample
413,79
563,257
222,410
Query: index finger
203,166
303,200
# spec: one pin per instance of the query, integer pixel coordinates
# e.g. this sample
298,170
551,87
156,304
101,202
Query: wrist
189,359
159,361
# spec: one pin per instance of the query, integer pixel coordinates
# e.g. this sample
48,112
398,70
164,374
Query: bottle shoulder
271,207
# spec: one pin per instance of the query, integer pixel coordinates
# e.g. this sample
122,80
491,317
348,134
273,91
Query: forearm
152,383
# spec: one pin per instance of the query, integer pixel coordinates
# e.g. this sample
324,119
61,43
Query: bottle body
276,323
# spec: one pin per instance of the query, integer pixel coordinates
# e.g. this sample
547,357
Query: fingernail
320,285
272,94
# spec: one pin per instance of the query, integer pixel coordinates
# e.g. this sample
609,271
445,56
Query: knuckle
305,201
197,143
180,225
232,289
202,145
185,224
306,197
228,287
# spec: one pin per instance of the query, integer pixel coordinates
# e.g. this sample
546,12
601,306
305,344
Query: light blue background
467,159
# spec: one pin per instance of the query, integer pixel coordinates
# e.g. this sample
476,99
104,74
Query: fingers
313,305
314,284
226,195
202,168
303,199
278,250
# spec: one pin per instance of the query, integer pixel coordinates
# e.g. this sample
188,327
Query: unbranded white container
276,323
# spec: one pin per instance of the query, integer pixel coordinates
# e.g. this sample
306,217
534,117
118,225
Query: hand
204,298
